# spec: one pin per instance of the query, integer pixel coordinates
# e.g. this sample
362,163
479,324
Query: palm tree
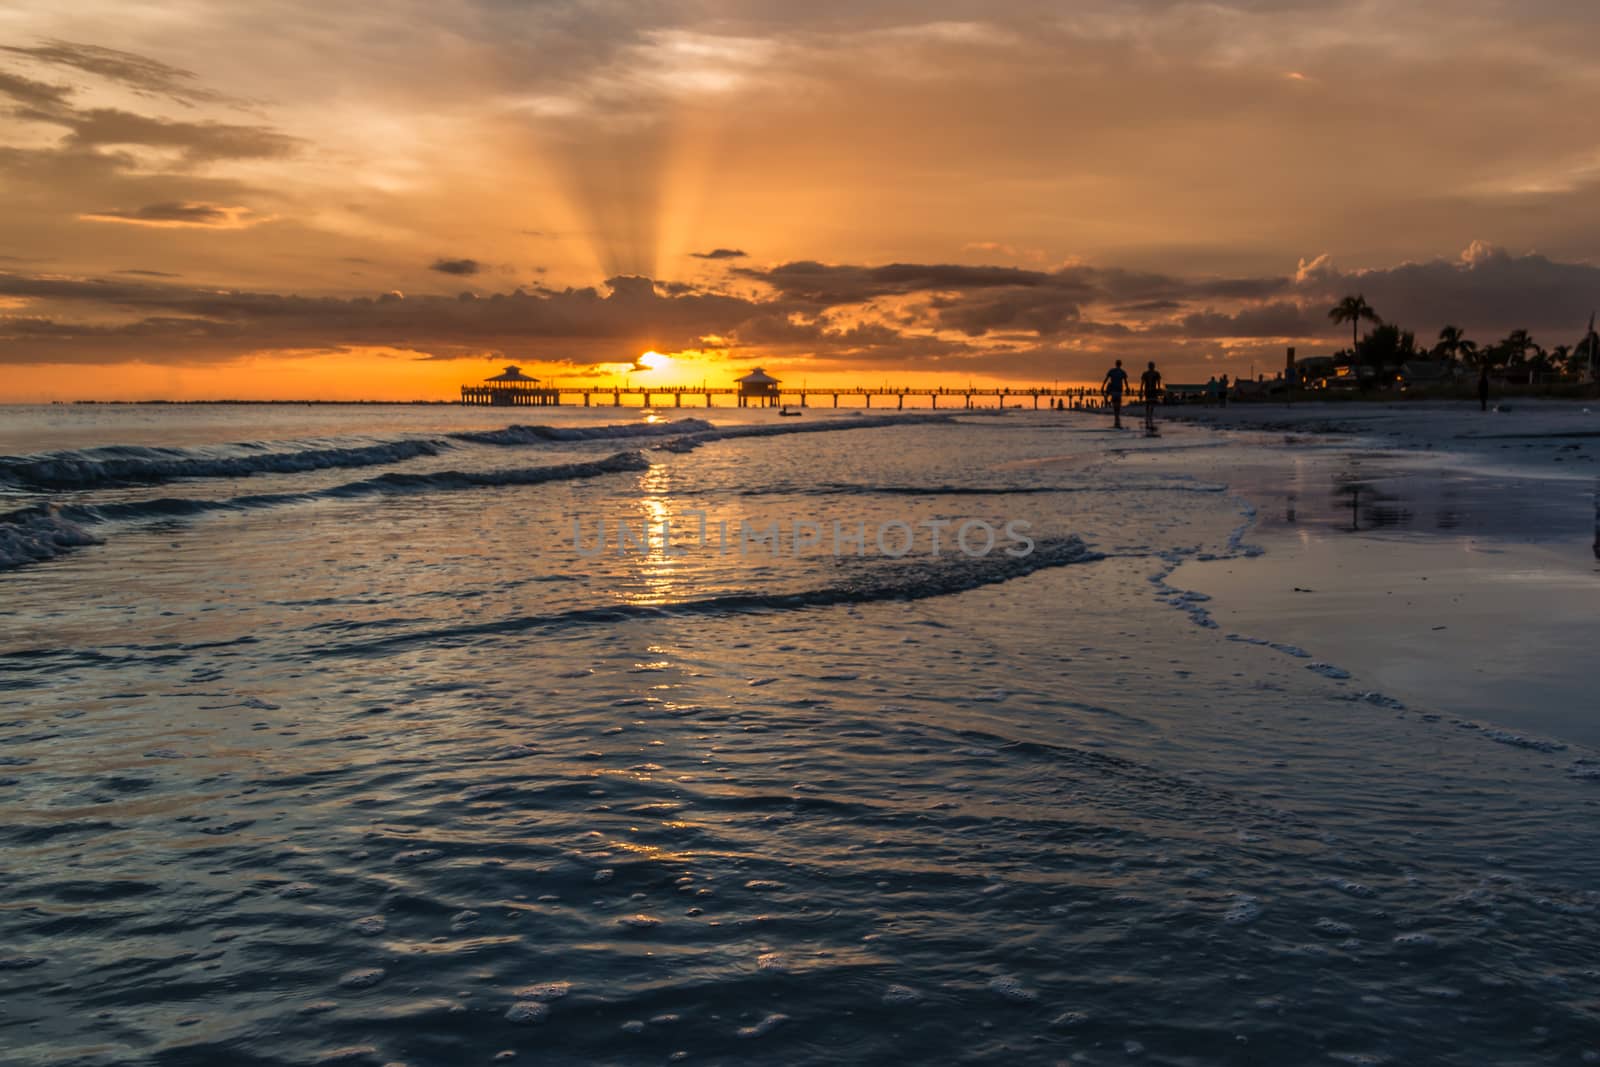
1353,309
1516,345
1454,346
1562,358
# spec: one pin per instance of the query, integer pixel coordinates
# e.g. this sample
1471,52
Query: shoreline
1462,577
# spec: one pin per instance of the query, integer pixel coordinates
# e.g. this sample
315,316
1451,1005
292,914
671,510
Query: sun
651,360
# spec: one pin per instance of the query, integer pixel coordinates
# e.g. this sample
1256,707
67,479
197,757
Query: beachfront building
510,388
757,388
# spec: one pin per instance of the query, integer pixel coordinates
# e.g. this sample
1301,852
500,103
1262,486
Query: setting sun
652,360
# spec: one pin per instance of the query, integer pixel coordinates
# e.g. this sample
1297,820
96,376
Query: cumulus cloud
1487,291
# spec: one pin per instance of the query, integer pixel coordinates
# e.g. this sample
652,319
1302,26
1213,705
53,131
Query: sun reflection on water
656,570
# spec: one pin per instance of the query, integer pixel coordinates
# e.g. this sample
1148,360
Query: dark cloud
1487,291
34,95
456,266
579,324
140,73
198,142
988,320
189,213
721,253
1044,311
821,283
1149,306
845,284
1278,319
149,273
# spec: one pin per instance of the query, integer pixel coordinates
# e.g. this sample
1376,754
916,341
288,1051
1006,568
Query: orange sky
289,199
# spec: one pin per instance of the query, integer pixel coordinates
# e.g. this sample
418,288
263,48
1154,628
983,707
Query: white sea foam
1009,988
131,464
544,991
363,978
38,534
528,1011
532,435
1328,670
765,1026
1244,910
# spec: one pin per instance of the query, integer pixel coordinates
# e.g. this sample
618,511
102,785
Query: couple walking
1116,382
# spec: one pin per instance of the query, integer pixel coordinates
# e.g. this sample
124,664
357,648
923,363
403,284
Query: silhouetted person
1211,390
1115,382
1150,383
1483,388
1223,389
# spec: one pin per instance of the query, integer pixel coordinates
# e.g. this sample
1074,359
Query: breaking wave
115,465
125,465
37,534
532,435
689,442
40,533
139,465
907,580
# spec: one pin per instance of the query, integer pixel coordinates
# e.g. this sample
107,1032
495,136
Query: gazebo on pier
511,388
757,386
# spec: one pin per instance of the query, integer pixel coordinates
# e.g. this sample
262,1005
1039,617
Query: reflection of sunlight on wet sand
655,568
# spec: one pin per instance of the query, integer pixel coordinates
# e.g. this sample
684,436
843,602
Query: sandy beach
1448,555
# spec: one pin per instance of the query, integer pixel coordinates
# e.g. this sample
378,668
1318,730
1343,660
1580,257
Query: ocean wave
35,534
905,580
123,465
138,465
394,482
691,441
533,435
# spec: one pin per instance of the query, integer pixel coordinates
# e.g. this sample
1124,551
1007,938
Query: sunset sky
282,199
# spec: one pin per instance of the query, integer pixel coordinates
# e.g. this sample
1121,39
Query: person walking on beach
1483,387
1115,382
1150,383
1222,389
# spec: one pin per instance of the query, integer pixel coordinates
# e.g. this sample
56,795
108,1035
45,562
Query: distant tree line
1386,346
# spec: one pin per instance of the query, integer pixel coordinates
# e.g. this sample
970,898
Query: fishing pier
759,389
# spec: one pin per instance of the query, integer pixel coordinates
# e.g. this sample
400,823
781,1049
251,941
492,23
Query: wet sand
1445,555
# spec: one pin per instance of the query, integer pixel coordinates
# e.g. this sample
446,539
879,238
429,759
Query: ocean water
390,735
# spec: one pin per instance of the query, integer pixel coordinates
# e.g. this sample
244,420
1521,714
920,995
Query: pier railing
886,396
